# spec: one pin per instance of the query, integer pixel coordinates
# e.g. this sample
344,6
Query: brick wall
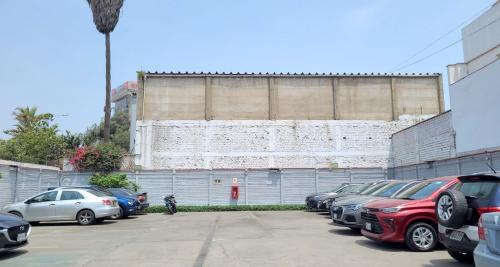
264,144
432,139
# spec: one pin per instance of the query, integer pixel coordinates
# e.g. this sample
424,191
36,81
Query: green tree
120,132
106,14
38,146
27,120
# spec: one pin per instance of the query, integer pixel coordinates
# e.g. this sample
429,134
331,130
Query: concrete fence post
173,181
281,186
246,186
136,177
210,179
386,173
459,171
40,180
350,176
416,172
316,177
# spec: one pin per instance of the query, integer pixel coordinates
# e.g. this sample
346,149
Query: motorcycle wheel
170,209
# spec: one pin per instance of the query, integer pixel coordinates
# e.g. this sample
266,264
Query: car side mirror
27,201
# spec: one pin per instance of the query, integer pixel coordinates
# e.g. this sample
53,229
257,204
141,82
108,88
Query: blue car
128,205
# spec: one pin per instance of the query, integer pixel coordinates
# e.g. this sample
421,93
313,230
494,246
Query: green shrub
112,180
161,209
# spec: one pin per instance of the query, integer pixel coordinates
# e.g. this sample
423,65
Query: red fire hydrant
234,189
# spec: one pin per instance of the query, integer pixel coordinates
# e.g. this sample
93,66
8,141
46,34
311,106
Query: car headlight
353,207
390,210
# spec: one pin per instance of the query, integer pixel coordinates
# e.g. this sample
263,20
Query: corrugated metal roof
290,74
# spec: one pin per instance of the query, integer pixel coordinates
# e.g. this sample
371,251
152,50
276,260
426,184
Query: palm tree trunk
107,108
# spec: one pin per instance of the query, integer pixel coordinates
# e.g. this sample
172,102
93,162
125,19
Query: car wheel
15,213
354,229
451,208
85,217
421,237
119,215
464,257
34,223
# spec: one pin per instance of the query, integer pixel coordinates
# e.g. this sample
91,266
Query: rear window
477,189
96,193
388,190
421,190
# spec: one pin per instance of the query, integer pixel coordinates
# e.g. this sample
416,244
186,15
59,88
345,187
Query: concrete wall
481,42
201,144
429,140
476,110
198,96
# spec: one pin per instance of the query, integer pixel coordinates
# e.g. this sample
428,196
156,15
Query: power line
446,47
440,38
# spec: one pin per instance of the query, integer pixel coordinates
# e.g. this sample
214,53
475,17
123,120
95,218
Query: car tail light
487,210
107,201
480,229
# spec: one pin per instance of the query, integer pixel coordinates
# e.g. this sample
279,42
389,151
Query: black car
458,211
14,232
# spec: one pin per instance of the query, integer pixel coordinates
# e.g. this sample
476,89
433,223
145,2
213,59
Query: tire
356,230
421,237
119,215
34,223
85,217
451,208
464,257
170,209
16,213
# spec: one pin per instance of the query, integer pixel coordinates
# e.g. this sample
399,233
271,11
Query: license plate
457,236
368,226
21,237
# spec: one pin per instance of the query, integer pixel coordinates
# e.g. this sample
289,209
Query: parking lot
284,238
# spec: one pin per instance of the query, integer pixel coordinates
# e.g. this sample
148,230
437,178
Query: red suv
409,217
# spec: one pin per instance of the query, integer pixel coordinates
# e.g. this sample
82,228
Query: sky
52,57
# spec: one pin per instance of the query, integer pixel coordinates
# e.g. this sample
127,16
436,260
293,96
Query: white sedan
86,206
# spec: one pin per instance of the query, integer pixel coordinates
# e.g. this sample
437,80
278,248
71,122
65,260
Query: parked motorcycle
170,204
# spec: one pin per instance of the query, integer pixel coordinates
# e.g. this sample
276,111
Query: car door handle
78,202
52,204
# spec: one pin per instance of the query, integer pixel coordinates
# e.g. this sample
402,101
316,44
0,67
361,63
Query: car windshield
420,190
121,191
96,193
388,190
372,188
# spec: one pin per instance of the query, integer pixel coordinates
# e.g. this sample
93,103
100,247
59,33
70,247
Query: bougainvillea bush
99,158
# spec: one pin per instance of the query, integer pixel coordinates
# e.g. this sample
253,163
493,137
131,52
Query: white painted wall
429,140
264,144
475,101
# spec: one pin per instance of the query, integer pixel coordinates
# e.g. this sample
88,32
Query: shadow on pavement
344,232
51,224
11,254
382,246
446,263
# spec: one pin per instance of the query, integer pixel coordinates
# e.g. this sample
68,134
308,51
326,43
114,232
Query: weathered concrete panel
304,99
417,96
240,98
363,99
174,98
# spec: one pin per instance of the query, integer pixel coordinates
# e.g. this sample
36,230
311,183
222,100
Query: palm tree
106,14
27,120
